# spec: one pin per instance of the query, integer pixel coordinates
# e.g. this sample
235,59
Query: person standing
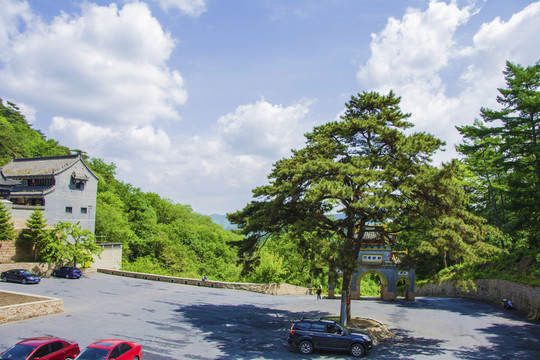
319,292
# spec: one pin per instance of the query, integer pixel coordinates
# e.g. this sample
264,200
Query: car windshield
93,354
18,352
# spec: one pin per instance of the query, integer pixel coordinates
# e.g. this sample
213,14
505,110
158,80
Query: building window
69,209
84,210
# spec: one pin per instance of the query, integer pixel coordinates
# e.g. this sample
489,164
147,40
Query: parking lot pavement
175,321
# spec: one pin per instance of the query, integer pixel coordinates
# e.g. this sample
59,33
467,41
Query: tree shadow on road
507,342
406,346
251,332
244,331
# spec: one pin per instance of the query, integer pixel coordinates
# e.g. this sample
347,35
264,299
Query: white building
63,186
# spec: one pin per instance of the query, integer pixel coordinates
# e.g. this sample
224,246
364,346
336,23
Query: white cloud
132,142
414,56
106,63
85,134
263,128
414,47
13,14
189,7
217,170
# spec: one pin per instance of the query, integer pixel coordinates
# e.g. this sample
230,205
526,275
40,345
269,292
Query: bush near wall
526,298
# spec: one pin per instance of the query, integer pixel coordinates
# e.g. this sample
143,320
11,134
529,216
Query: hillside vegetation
159,236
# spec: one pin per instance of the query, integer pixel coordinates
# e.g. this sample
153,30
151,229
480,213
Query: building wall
65,194
23,211
110,258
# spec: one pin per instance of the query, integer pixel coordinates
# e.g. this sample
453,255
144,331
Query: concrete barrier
271,289
30,309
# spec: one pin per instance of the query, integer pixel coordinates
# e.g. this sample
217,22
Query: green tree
17,138
78,244
364,167
436,226
111,222
46,247
6,226
270,268
504,151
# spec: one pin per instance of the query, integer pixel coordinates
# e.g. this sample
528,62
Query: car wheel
306,347
358,350
67,276
23,281
136,358
69,358
4,279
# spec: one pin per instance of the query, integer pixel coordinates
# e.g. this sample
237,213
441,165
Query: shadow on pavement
508,342
252,332
247,331
405,346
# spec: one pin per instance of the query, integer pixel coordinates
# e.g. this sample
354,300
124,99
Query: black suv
310,334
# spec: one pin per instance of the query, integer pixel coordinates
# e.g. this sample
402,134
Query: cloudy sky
196,99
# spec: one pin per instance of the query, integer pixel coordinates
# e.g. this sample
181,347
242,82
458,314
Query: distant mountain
222,220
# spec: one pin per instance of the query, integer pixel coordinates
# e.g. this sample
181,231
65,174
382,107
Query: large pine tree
367,168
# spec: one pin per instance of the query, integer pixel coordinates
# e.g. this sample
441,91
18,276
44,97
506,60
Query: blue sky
196,99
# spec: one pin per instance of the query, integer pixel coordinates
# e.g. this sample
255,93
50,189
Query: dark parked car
20,275
310,334
43,348
68,272
109,349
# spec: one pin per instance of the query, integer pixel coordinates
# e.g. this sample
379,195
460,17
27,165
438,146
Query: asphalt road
175,321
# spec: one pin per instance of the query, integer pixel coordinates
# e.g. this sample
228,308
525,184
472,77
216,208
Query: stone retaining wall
271,289
526,298
23,311
16,250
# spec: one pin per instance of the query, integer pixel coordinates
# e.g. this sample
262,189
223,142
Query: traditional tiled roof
79,176
7,182
38,166
31,191
372,236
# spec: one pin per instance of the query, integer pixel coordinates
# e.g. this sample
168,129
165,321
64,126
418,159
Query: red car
109,349
44,348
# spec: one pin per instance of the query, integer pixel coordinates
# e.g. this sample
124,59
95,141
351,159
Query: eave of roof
38,166
31,191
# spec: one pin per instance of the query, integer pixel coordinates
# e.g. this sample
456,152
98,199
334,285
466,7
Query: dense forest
476,217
